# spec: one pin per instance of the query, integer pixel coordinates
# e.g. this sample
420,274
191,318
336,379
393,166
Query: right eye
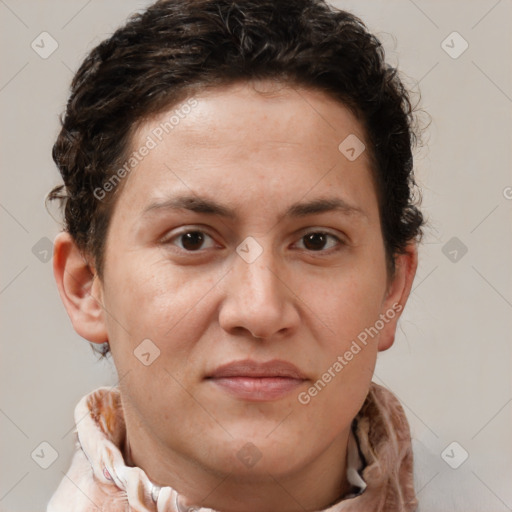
189,240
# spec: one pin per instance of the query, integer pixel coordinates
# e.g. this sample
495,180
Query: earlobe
397,294
79,289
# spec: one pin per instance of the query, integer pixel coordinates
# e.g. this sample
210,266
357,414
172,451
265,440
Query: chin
257,456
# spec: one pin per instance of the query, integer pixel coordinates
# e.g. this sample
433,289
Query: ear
397,294
80,289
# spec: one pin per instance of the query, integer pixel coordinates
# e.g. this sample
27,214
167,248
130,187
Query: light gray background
451,362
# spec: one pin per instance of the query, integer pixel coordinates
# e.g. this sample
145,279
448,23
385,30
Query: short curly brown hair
176,48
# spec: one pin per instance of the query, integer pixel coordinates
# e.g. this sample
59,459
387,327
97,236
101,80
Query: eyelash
341,243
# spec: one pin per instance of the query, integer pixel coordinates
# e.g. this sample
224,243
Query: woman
241,236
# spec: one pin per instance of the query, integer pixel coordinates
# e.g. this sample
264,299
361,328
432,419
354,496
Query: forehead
247,142
259,111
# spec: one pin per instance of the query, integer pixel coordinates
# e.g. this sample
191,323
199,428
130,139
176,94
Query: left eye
316,241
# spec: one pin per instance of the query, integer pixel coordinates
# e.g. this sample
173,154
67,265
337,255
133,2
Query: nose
259,300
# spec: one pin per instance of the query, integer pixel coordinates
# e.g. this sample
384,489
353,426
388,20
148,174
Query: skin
257,154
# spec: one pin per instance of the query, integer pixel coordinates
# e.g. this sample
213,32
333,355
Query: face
246,234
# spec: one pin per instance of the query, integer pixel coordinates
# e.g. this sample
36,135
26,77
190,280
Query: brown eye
315,241
191,240
319,241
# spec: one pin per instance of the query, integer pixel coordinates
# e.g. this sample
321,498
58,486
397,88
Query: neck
316,486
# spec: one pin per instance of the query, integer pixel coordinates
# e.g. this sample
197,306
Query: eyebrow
208,206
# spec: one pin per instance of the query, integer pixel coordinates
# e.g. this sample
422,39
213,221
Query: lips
254,381
250,368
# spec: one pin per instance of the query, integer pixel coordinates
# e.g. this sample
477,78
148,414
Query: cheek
148,298
346,302
346,354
